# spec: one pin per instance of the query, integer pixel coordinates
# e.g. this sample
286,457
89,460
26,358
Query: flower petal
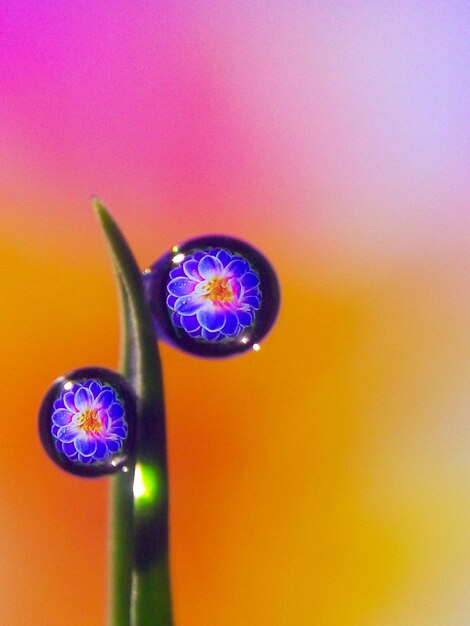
86,446
83,399
210,336
101,452
224,257
69,401
187,305
177,272
189,323
209,266
69,449
212,318
250,280
114,444
105,399
176,319
181,286
190,269
61,417
252,301
236,268
58,404
231,324
119,431
244,318
94,387
116,411
68,433
237,288
170,302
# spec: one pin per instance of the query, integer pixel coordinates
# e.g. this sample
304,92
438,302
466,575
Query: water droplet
217,297
87,421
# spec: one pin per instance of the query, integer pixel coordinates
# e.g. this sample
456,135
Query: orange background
324,480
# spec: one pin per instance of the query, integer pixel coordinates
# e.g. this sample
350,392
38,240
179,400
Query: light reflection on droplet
178,258
68,385
256,347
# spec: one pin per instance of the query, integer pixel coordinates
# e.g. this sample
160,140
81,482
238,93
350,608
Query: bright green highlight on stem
140,582
146,486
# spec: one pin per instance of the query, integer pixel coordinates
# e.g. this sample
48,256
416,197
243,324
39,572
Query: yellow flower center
90,422
218,290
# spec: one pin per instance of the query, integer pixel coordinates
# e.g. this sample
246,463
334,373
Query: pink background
324,480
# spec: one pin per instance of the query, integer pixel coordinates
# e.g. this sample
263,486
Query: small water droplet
218,297
87,421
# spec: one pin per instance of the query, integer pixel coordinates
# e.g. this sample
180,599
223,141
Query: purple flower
88,422
213,295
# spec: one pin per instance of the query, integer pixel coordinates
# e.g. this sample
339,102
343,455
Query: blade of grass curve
140,582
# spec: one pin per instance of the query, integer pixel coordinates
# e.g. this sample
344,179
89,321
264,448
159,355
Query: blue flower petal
177,272
252,301
105,398
236,268
244,318
68,433
254,291
69,450
83,399
210,336
119,431
69,401
86,446
176,319
61,417
119,423
84,459
231,324
181,286
195,333
209,267
114,444
250,280
224,257
58,404
211,319
94,387
116,411
187,305
170,302
190,323
101,452
190,269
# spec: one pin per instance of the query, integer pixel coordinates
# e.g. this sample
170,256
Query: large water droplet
213,296
87,421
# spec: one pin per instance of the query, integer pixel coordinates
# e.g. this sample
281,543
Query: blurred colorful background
324,480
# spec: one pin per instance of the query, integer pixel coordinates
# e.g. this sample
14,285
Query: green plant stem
140,578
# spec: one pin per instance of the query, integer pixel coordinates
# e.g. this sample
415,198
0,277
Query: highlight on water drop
213,296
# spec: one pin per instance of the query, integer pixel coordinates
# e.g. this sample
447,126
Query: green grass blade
139,542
